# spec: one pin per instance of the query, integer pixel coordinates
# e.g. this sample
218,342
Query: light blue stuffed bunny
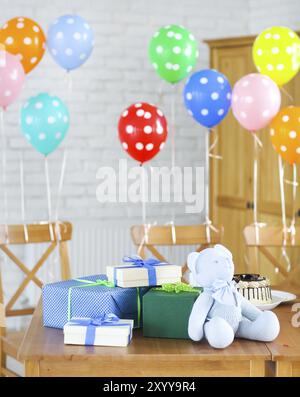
220,313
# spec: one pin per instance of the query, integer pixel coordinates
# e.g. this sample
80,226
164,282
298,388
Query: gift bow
177,288
104,319
137,261
101,283
224,292
109,320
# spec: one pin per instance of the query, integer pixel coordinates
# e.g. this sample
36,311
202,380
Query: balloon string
59,191
213,145
146,225
208,148
173,147
289,96
4,171
255,185
48,198
288,182
294,194
282,197
283,214
173,158
207,219
258,141
144,201
69,86
23,198
160,94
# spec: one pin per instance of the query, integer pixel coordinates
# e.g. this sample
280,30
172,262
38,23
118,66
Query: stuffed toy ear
191,261
223,251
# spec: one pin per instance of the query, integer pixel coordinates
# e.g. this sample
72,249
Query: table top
47,343
287,345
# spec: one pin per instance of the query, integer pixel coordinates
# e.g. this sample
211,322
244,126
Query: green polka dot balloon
45,122
173,52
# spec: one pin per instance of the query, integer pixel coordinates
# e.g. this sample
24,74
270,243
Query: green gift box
166,311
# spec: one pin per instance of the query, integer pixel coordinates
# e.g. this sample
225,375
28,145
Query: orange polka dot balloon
25,38
285,134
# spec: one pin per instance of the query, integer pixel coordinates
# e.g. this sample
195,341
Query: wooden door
231,179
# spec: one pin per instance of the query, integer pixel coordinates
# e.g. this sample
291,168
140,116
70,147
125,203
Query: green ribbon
138,306
177,288
102,283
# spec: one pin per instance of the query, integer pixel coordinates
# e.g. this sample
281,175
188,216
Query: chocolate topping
248,277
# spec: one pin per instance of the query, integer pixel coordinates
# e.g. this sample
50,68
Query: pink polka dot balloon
142,131
255,101
12,78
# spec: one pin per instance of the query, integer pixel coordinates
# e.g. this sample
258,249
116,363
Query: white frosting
256,292
253,284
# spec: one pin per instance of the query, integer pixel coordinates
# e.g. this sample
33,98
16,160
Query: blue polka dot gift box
91,297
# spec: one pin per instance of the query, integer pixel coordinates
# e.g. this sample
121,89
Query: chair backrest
168,235
266,237
52,233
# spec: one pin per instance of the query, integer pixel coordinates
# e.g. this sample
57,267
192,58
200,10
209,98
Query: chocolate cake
254,287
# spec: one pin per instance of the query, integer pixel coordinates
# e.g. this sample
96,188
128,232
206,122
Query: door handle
250,205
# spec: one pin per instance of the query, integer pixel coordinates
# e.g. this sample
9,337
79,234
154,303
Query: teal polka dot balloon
45,122
173,52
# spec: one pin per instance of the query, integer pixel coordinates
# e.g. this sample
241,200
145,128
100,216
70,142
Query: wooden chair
272,236
147,238
37,233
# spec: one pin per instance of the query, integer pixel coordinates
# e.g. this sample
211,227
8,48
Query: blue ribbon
137,261
106,320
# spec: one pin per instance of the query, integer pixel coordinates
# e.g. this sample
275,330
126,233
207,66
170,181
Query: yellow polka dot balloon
285,134
276,53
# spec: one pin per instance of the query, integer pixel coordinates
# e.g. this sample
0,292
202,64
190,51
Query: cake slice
254,287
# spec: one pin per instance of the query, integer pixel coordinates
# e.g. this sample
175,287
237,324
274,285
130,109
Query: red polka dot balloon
142,131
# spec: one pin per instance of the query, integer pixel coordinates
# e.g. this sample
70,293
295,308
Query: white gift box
131,276
105,335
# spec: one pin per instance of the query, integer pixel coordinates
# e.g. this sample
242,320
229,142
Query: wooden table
285,350
45,354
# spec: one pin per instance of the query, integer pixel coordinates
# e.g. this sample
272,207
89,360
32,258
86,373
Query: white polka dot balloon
207,96
173,52
285,134
70,41
45,122
276,53
142,131
23,37
255,101
12,78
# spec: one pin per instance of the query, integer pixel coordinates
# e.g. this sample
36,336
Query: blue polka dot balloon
207,96
70,41
45,122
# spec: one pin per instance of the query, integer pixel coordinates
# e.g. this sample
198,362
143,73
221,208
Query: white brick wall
266,13
117,74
